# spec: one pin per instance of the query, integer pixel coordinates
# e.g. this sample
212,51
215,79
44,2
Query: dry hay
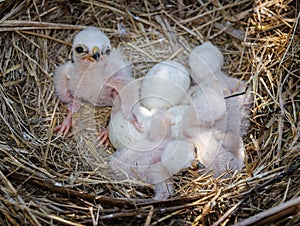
48,180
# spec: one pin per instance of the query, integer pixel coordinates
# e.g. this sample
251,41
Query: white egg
164,85
204,61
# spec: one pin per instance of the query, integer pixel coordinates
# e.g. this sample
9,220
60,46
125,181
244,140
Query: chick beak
93,56
96,53
196,165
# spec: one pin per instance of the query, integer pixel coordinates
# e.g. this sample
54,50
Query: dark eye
79,49
107,52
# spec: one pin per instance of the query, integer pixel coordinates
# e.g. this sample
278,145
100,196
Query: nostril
96,55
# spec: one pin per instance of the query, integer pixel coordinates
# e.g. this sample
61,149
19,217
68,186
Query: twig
17,25
235,3
70,193
149,217
228,213
30,216
47,37
273,214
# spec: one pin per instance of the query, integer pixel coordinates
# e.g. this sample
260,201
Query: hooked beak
197,165
94,55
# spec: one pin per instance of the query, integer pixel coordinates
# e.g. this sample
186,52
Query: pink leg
73,106
139,126
102,138
64,128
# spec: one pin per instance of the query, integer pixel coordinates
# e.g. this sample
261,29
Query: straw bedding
48,180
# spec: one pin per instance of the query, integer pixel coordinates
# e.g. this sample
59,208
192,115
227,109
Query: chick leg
64,128
134,121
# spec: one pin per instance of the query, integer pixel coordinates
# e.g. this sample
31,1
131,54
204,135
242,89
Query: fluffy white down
207,107
176,114
199,116
204,61
164,85
177,155
122,133
219,151
90,83
61,82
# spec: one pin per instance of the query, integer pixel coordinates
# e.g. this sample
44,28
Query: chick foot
65,126
102,138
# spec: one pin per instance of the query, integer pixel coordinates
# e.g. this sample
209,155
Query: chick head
90,45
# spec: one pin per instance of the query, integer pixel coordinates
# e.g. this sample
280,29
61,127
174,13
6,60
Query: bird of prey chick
98,72
217,117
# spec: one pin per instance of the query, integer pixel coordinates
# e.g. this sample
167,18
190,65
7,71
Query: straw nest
48,180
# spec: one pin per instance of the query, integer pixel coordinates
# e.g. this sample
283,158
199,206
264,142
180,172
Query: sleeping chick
123,133
219,151
155,165
96,75
214,121
153,153
138,152
161,89
164,85
205,62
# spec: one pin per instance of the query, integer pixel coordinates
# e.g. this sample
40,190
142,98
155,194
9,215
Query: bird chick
155,165
123,133
219,151
154,154
161,88
164,85
150,154
206,108
205,61
213,123
96,75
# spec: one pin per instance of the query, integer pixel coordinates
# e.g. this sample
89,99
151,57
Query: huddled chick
161,123
214,123
151,153
203,122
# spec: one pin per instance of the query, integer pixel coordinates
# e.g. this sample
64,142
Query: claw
102,138
65,126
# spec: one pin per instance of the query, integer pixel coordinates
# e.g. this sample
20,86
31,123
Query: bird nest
49,180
